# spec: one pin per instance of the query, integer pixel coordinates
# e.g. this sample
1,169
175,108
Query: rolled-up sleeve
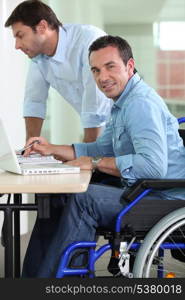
36,93
102,147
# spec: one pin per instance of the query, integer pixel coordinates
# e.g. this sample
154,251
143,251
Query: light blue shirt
68,72
143,137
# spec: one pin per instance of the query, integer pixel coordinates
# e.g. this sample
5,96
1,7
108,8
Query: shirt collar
60,53
129,86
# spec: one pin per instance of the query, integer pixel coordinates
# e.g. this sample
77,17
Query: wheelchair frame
154,240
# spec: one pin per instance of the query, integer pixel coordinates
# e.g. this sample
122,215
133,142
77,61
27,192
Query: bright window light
171,35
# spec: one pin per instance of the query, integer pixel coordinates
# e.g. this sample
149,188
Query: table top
57,183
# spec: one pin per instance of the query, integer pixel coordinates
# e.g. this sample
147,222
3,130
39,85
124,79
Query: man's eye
94,71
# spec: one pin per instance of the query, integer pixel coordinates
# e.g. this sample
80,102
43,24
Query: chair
143,249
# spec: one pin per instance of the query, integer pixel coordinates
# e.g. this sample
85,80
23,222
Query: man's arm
91,134
33,126
106,164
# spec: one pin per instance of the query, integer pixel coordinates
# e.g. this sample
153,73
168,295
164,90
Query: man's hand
39,145
43,147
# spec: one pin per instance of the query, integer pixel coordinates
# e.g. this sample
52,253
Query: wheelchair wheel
149,263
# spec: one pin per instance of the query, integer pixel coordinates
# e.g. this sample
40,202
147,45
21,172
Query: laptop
35,164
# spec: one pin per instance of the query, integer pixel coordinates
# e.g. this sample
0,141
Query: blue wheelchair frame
94,255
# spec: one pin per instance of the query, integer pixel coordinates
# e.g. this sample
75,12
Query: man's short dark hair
31,12
122,45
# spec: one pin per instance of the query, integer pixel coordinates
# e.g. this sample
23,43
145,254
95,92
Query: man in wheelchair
140,141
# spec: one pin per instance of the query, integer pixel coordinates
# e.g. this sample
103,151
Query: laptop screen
8,159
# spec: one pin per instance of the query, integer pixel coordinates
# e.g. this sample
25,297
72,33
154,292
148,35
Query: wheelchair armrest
142,184
133,191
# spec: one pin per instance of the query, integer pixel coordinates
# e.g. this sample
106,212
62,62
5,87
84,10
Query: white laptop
35,164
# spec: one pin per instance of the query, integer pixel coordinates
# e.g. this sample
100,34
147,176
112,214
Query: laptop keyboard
37,158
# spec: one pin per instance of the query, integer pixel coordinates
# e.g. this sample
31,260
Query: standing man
140,141
59,58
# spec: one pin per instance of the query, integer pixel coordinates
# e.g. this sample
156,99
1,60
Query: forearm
108,165
63,152
33,126
91,134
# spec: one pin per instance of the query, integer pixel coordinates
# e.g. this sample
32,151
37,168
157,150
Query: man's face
29,41
110,72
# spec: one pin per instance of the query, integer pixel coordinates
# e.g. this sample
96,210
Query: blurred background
154,29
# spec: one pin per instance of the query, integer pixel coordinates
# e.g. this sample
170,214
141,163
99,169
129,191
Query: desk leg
17,250
8,243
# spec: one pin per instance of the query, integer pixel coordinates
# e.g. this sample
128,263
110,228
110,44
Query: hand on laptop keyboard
37,158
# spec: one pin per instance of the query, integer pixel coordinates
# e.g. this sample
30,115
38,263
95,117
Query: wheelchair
154,247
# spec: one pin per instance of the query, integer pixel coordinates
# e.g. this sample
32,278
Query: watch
95,161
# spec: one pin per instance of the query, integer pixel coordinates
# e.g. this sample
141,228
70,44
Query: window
170,35
170,42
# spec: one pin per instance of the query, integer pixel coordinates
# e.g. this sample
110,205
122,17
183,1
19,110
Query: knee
88,202
81,201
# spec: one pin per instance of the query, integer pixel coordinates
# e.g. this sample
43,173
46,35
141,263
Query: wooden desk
57,183
34,184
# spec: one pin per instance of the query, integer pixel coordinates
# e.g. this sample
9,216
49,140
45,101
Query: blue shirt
69,73
143,137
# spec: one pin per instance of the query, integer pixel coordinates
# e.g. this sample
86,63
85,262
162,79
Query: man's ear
131,66
42,26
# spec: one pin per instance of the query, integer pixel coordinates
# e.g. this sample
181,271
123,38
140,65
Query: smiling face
29,41
110,72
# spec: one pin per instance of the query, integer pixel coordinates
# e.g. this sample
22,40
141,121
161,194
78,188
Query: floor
24,243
